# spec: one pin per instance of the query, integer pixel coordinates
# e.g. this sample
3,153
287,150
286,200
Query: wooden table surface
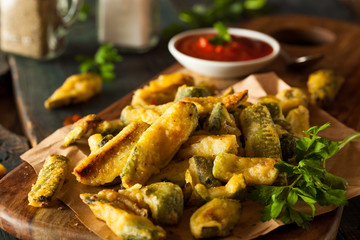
34,81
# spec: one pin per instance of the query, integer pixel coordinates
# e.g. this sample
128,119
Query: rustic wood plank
11,147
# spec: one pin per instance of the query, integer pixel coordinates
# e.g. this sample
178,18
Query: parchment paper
344,164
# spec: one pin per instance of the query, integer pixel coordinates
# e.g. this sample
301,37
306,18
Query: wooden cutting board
339,43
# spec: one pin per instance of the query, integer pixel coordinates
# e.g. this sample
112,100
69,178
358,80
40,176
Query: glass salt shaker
131,25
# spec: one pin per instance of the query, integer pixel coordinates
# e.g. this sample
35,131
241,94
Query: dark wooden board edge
26,123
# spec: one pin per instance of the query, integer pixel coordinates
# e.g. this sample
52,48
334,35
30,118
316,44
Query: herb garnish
102,63
84,12
206,13
310,181
222,37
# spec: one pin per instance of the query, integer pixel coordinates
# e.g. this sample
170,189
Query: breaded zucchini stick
235,188
174,172
2,170
299,118
221,121
159,143
204,105
208,146
261,138
191,91
106,163
164,200
122,218
94,141
81,127
216,218
161,90
50,180
76,88
255,170
139,113
291,98
323,86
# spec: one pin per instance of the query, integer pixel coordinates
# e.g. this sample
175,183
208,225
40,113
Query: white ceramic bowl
221,69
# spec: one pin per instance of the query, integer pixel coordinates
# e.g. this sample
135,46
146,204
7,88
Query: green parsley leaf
222,37
335,182
254,4
287,168
207,13
276,207
84,12
301,219
309,180
102,63
292,198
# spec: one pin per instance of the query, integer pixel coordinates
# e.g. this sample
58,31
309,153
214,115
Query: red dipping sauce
238,49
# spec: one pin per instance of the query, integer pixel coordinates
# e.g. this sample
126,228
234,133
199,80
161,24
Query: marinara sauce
238,49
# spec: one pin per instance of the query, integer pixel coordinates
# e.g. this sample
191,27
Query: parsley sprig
206,13
222,34
84,12
309,181
102,63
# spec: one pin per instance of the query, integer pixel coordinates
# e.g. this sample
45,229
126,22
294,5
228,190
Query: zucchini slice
50,180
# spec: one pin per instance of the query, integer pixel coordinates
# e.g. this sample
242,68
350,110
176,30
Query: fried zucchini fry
208,146
113,208
323,86
273,105
105,140
299,118
76,88
138,113
2,170
161,90
255,170
235,188
106,128
50,180
190,91
80,128
292,98
165,201
94,141
204,105
261,138
200,169
159,143
216,218
174,172
199,173
106,163
221,121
